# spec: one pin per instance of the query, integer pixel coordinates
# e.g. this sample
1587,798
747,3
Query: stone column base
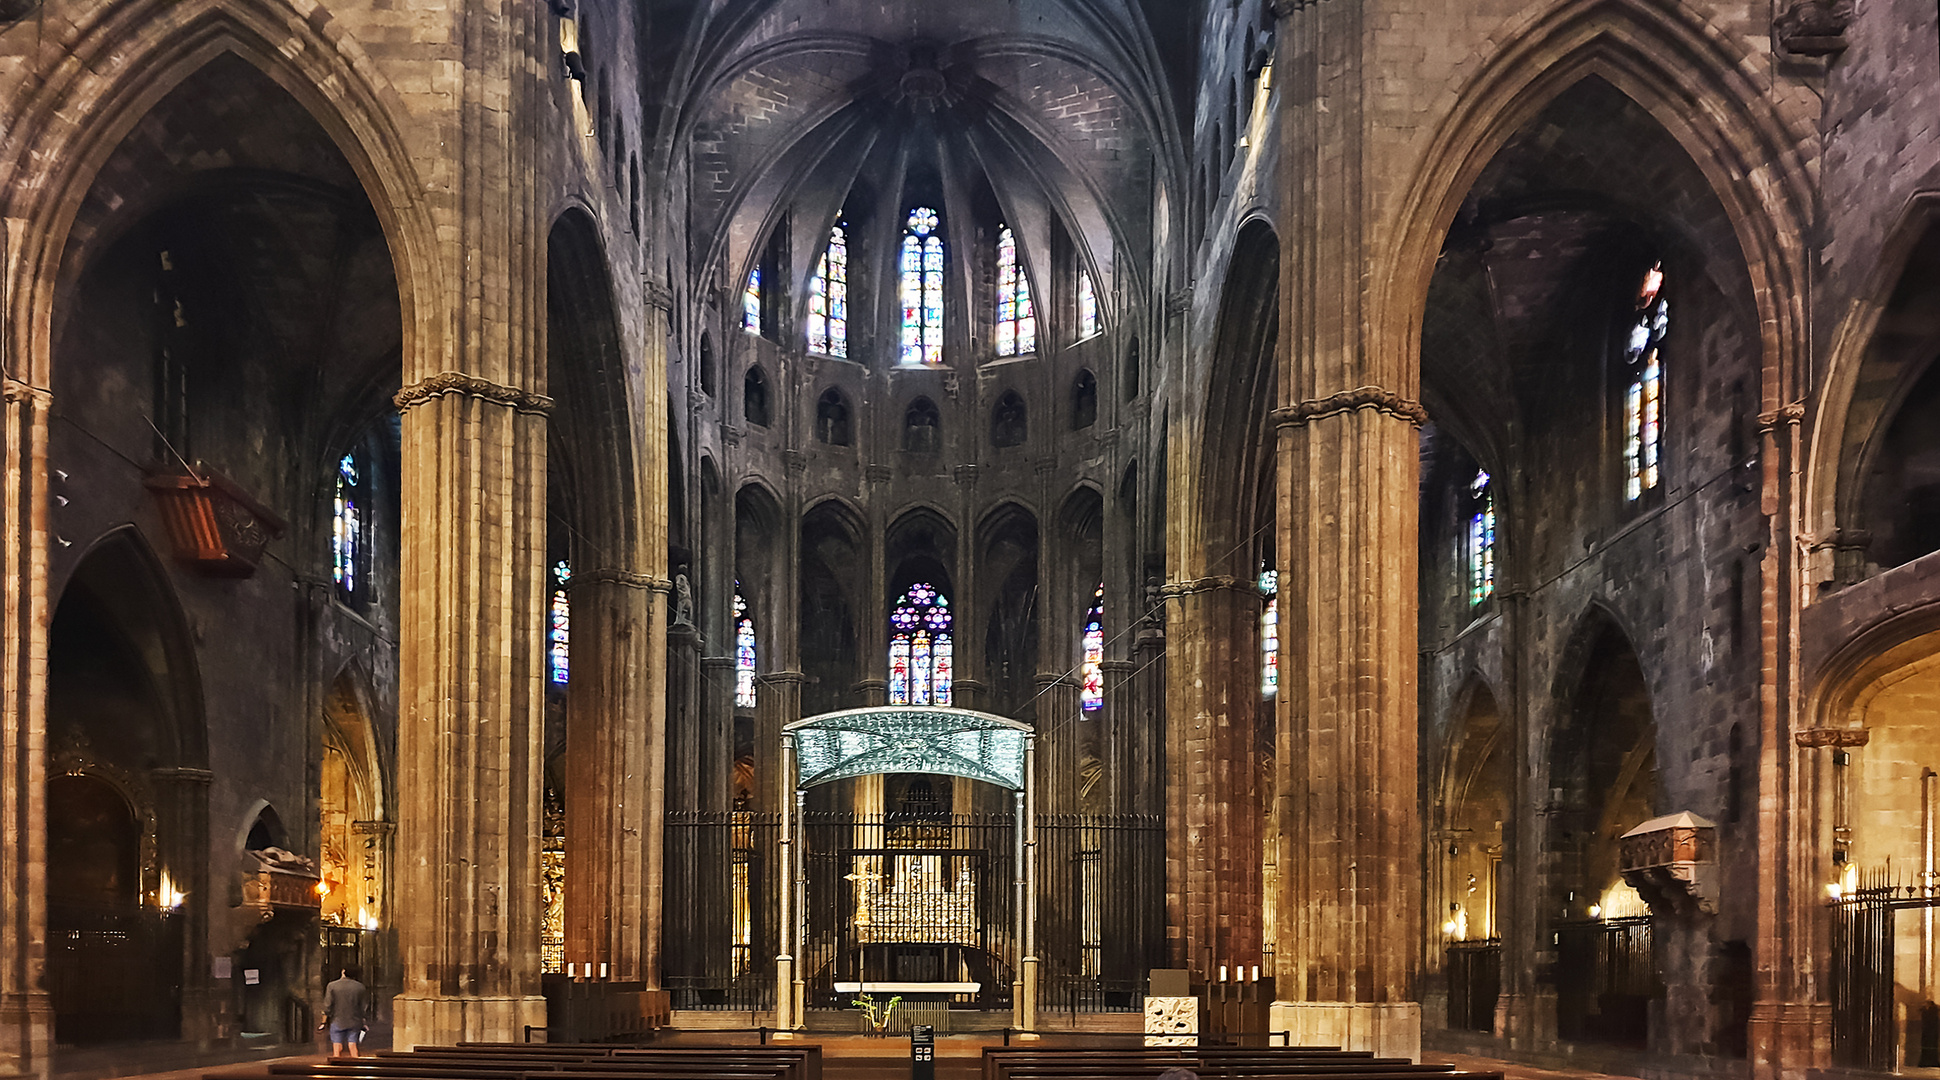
435,1020
1387,1030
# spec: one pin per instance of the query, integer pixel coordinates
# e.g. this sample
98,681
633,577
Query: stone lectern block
1170,982
1171,1021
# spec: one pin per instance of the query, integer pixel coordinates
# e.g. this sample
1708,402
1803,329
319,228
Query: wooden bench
556,1061
1228,1063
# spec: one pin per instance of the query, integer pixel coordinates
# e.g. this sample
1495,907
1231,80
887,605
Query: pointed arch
131,57
1692,80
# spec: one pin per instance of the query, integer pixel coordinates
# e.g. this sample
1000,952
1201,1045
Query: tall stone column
26,1015
608,801
1346,794
1213,807
471,710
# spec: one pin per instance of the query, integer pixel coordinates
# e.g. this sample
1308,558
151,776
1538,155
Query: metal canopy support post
1027,833
1017,883
785,1017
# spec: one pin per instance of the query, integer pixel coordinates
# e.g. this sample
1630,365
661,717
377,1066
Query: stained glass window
559,634
347,526
743,652
1016,315
1088,321
1091,671
1270,635
1481,540
1643,401
921,670
828,298
922,289
751,302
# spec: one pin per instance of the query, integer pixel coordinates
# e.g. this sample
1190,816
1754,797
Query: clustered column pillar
26,1016
1346,796
471,710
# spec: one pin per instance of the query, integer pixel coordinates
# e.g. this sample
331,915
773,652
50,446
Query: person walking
343,1013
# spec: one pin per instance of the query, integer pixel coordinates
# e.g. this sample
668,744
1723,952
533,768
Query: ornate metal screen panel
910,739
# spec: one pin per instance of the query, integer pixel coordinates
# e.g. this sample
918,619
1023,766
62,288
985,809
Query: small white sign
219,968
251,976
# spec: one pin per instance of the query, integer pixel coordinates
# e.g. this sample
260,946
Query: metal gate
1101,909
1863,1025
1606,977
1474,972
113,973
909,898
722,875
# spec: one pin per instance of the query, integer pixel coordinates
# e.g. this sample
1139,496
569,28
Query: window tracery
1091,669
1016,316
1089,324
751,302
347,526
1481,540
921,668
921,271
744,655
1643,400
559,631
828,298
1270,635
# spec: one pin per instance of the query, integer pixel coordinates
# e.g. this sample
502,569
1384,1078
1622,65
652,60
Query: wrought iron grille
1474,971
1101,909
723,871
1606,977
1865,937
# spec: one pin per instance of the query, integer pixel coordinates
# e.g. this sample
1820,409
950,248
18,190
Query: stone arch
589,427
834,597
1468,856
1237,452
1664,60
132,57
352,802
1009,547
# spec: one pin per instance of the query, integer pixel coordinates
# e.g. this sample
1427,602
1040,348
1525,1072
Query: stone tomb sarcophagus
1672,862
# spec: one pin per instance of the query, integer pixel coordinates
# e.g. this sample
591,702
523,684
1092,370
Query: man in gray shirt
343,1013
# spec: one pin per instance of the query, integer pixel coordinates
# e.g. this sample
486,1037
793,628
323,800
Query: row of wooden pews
554,1061
1209,1063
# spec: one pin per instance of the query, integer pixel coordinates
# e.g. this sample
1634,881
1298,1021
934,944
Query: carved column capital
1361,397
457,382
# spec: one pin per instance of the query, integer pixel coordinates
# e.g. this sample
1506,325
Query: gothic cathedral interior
1421,517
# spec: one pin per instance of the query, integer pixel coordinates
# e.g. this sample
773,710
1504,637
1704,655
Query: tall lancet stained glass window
743,652
1643,401
1270,634
1016,315
921,668
559,631
1481,540
751,302
1089,324
1091,669
347,526
921,272
828,298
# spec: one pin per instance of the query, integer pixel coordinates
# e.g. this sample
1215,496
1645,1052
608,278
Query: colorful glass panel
920,649
559,635
347,526
828,298
1643,399
744,696
1270,634
1016,314
1091,670
751,303
1089,324
1481,540
921,292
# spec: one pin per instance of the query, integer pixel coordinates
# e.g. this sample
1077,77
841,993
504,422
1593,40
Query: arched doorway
354,839
123,850
1468,853
1603,762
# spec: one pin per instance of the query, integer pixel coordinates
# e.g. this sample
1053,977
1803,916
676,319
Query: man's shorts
351,1036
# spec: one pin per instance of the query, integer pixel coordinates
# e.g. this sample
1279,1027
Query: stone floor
862,1059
